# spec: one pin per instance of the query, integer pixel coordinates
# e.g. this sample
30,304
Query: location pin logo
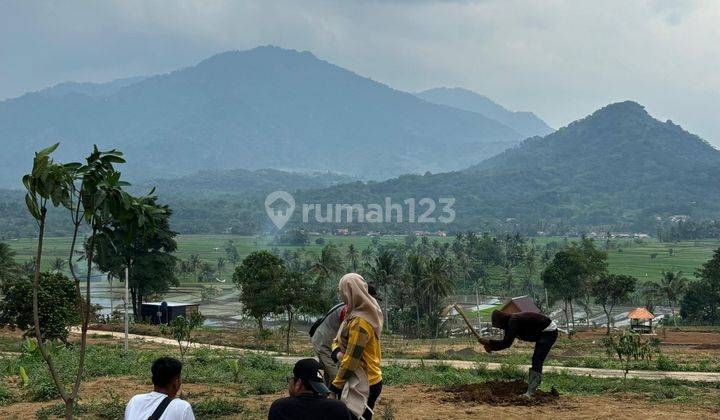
279,206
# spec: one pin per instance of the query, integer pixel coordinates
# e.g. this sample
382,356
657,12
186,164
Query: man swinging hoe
527,326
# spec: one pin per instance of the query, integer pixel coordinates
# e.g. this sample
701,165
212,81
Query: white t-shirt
142,406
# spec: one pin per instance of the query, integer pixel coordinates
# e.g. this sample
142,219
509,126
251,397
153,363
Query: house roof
169,304
640,313
523,304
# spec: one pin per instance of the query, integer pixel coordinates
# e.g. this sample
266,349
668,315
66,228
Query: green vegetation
57,301
634,260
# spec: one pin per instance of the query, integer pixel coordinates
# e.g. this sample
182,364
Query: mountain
618,168
525,123
263,108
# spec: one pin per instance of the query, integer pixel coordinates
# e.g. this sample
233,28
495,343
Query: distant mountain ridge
263,108
525,123
618,167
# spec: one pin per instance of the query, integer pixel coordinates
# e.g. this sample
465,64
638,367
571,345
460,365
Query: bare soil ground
411,402
501,393
421,402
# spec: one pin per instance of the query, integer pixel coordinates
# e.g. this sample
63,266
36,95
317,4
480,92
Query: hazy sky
561,59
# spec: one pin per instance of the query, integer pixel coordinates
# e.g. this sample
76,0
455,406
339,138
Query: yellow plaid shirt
362,351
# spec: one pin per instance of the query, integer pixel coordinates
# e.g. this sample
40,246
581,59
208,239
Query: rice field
643,259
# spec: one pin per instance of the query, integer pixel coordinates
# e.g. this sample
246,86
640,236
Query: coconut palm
384,271
353,257
58,264
220,265
437,286
672,286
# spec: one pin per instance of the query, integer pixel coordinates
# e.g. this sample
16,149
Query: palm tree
672,285
367,254
58,264
353,256
415,279
329,262
194,263
530,262
220,265
384,271
437,286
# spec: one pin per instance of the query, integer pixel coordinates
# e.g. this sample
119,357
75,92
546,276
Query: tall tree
437,286
9,269
672,285
94,196
611,289
259,277
295,294
564,276
384,272
709,275
596,265
353,257
148,255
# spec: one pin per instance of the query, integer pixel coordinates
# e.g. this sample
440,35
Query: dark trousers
375,391
542,348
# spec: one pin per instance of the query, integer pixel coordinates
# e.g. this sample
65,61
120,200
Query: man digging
527,326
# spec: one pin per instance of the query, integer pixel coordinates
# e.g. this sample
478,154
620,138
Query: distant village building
679,218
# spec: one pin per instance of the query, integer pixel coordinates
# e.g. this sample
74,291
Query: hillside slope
525,123
618,167
263,108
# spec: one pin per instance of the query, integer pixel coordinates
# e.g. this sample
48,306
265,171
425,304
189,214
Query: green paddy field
644,259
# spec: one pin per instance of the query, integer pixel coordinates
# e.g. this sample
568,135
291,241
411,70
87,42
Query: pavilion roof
640,313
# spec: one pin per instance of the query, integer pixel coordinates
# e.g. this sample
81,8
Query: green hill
618,168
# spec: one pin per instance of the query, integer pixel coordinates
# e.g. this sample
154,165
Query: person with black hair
161,404
527,326
308,396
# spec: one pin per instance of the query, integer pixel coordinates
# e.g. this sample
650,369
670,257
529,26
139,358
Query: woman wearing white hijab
357,346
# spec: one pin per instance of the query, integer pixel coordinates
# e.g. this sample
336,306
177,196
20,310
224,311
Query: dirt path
459,364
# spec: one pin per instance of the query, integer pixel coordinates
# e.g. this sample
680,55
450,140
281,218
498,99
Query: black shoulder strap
160,409
317,323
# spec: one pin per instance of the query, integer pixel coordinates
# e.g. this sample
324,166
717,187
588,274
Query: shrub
510,371
663,363
181,329
57,305
481,368
217,407
593,363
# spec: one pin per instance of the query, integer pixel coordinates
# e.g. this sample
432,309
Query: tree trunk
387,311
477,305
85,319
672,305
417,318
287,335
36,317
572,314
260,323
111,296
607,314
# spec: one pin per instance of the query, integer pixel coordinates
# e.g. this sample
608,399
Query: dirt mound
501,393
